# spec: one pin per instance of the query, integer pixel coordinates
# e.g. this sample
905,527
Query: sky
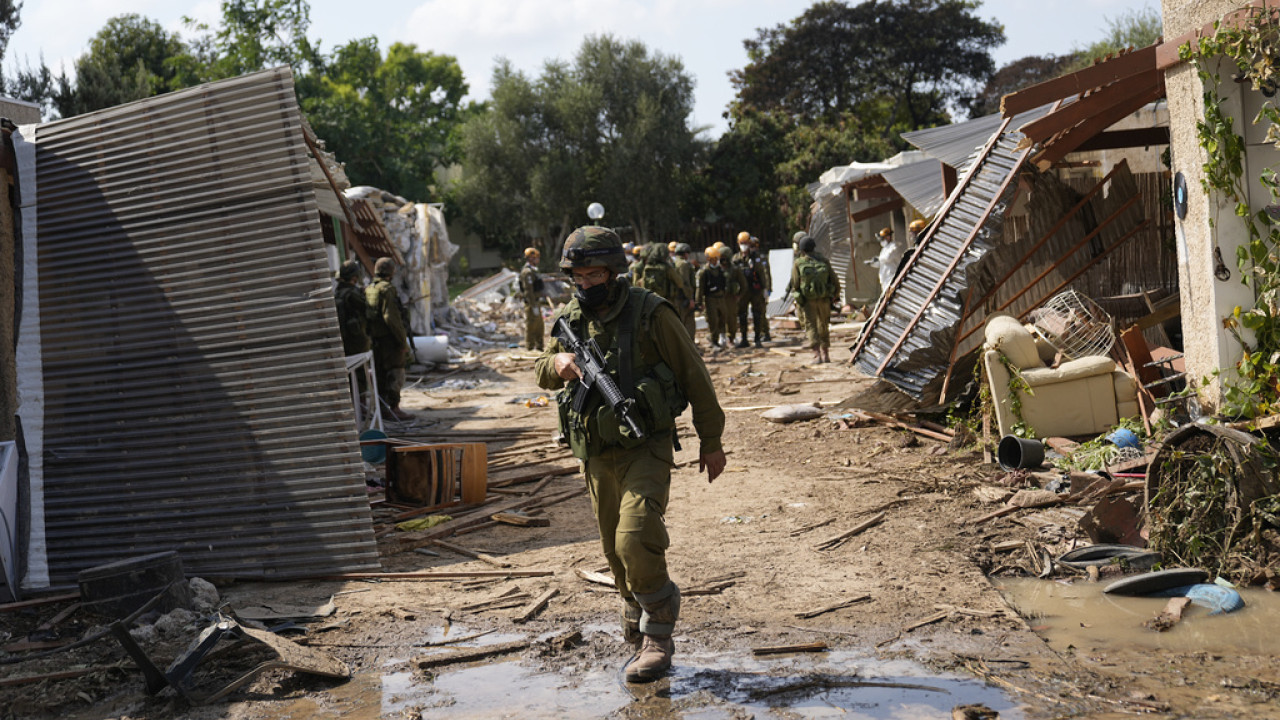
706,35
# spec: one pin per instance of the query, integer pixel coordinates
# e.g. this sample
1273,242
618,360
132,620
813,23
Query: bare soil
750,540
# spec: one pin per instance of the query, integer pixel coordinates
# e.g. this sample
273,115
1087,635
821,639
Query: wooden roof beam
1117,139
1042,129
871,212
1104,73
1072,139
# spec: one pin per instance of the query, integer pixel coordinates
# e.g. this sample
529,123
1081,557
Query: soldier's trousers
817,323
689,319
715,309
755,302
731,315
629,492
534,327
388,371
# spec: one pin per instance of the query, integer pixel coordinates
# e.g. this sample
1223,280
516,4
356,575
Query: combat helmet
385,267
593,246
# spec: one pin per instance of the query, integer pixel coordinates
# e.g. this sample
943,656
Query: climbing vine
1253,48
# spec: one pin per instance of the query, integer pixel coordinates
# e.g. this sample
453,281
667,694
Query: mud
934,634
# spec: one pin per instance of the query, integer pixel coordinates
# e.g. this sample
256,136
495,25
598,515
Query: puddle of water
703,686
1080,615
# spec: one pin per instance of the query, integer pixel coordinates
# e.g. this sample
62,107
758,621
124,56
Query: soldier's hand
566,366
713,463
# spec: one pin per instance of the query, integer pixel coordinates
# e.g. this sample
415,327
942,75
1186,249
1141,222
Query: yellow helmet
743,237
713,252
718,245
917,225
886,232
532,253
671,246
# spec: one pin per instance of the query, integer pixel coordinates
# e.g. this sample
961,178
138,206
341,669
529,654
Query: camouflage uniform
817,306
685,302
630,478
713,283
531,287
353,318
390,339
755,295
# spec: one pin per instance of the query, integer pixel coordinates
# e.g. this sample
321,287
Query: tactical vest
646,379
815,278
377,296
714,280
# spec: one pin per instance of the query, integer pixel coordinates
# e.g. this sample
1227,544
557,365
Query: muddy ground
923,629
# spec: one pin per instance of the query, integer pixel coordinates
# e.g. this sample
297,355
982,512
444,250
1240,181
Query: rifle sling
626,329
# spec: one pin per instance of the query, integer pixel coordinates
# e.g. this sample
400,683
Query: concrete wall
1210,223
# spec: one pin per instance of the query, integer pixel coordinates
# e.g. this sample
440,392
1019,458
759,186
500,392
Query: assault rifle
594,375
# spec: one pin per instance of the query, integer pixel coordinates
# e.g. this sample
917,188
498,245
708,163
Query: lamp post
595,211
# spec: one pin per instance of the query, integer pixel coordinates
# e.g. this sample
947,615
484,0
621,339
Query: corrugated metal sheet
829,228
956,144
195,389
908,339
919,184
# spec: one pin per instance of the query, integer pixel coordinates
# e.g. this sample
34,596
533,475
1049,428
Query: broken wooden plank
1170,615
818,646
501,603
592,576
34,602
708,589
482,557
469,654
59,675
521,520
831,608
836,540
927,621
542,484
531,476
807,528
56,619
430,575
536,606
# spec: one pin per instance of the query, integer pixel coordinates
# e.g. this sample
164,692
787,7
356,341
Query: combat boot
817,355
653,660
743,342
758,341
826,355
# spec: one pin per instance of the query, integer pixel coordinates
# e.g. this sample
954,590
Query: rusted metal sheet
195,391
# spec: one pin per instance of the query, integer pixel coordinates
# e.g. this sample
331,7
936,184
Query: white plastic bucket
431,348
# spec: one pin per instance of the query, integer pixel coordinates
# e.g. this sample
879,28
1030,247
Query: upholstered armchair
1085,396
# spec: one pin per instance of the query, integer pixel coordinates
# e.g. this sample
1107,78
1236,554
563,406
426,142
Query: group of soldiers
731,289
374,318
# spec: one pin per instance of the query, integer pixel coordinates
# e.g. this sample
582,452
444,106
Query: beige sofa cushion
1007,335
1085,367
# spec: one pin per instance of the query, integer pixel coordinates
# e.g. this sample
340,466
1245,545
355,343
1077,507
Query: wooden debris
832,542
542,484
807,528
1006,546
432,575
35,602
520,519
817,646
830,608
973,712
927,621
970,611
536,606
1170,615
473,554
469,654
54,621
594,577
1062,446
709,589
498,603
59,675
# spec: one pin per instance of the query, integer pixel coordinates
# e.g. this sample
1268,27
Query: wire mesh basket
1074,325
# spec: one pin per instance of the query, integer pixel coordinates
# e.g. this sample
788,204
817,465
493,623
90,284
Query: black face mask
594,296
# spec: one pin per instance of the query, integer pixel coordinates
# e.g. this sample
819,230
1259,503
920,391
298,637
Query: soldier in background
713,284
353,311
390,336
657,275
688,275
531,291
755,293
815,286
733,294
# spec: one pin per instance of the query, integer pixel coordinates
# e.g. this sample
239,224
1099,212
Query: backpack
654,277
815,279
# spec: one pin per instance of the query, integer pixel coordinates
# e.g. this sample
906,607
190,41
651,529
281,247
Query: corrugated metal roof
909,337
956,144
196,397
919,184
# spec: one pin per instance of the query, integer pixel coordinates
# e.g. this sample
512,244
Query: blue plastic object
1123,437
1215,598
375,453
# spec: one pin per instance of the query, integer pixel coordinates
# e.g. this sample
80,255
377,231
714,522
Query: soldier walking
815,286
756,284
713,285
688,275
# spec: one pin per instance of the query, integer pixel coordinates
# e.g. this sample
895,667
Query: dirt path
752,555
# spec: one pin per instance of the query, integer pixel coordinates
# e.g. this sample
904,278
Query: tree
1131,29
924,56
391,120
9,22
610,127
130,58
255,35
1019,74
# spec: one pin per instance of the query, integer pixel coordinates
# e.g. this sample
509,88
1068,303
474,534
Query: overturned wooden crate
437,475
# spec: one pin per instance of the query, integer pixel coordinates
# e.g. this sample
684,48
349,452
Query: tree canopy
130,58
1019,74
611,127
